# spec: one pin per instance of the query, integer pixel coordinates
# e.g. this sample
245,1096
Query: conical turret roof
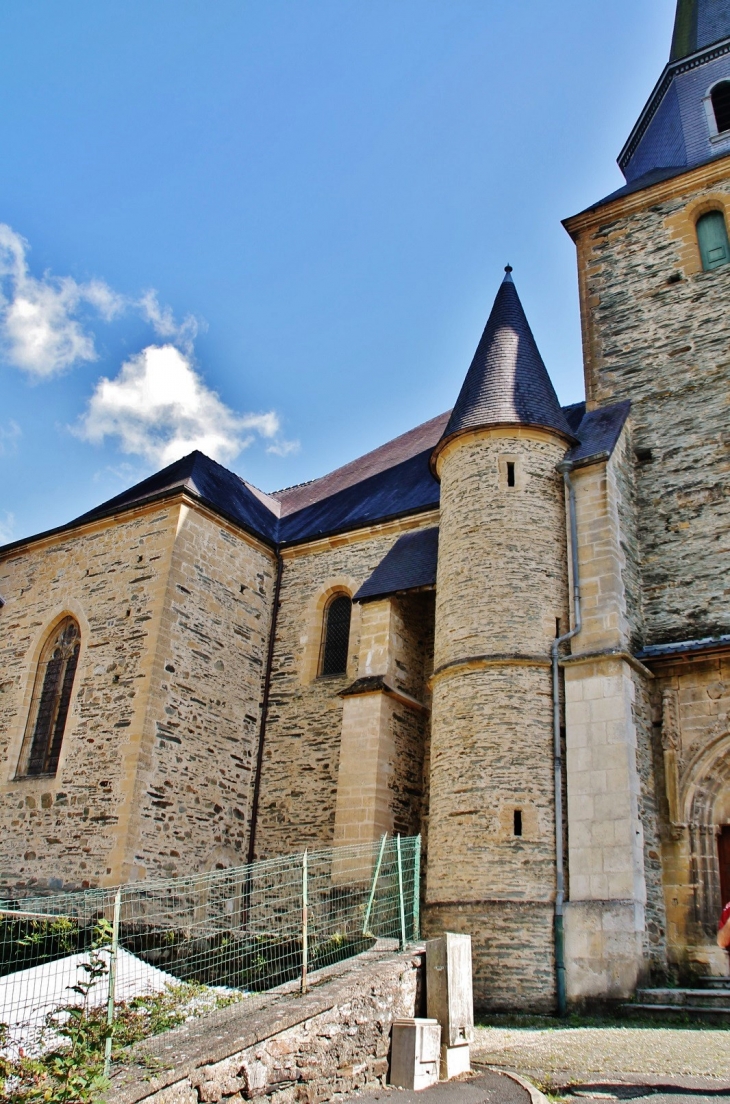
507,383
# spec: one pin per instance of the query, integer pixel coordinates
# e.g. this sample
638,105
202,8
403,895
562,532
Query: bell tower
654,280
501,594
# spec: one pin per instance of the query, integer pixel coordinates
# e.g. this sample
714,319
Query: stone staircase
711,1003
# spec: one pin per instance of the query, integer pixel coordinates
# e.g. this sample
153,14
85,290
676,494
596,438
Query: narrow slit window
510,473
50,702
518,822
720,97
712,240
336,636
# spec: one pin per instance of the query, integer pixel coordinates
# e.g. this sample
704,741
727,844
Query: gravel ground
662,1051
671,1064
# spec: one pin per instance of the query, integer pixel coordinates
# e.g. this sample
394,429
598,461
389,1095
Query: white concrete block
415,1053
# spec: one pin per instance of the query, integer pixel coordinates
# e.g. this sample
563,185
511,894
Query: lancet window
336,636
50,702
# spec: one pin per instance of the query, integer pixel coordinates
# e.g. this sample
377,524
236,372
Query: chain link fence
199,940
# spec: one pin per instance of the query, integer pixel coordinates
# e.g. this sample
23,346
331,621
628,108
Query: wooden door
723,848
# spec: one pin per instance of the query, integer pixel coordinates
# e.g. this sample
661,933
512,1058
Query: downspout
264,711
564,467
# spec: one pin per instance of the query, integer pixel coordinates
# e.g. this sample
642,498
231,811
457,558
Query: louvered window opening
50,702
336,637
720,96
712,240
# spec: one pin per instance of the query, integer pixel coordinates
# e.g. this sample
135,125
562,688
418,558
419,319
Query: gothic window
336,636
50,702
712,240
720,97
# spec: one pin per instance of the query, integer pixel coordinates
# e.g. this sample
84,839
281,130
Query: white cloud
7,527
159,408
9,436
283,448
38,328
163,321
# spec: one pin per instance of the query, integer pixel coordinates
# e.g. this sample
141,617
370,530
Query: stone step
721,983
684,998
677,1013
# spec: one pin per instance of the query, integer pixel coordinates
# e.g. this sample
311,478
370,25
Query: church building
507,629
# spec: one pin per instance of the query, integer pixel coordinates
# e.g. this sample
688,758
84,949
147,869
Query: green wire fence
246,929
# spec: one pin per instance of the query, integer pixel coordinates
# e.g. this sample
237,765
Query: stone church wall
302,749
111,575
154,777
655,332
196,766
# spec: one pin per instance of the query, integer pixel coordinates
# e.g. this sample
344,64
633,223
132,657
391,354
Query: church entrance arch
708,802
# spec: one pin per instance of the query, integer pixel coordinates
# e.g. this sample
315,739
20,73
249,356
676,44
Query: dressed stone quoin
508,629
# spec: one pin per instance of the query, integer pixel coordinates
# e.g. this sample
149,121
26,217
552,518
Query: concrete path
481,1087
615,1063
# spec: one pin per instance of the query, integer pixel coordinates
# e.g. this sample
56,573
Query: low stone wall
284,1046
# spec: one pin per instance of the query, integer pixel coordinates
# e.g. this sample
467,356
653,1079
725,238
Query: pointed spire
699,23
507,383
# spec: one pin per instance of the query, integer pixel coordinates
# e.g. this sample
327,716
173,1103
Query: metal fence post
376,875
112,982
305,922
417,889
400,894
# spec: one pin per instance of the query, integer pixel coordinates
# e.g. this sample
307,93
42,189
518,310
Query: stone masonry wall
655,933
196,767
655,332
61,832
502,585
288,1048
155,770
301,755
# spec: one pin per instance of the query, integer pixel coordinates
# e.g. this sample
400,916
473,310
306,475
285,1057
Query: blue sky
274,230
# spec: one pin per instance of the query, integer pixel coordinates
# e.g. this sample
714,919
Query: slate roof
673,131
507,382
598,431
411,563
697,24
395,480
406,488
207,480
404,447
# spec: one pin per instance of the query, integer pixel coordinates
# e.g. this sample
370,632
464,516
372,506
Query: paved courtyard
673,1065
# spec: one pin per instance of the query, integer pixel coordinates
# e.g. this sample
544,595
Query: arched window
336,636
720,96
712,240
51,698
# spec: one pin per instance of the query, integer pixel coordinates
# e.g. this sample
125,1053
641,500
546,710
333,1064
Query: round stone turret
502,588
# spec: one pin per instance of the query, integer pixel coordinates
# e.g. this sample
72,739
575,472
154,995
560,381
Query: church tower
654,279
501,597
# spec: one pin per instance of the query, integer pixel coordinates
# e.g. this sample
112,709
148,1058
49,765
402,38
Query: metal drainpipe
564,467
264,711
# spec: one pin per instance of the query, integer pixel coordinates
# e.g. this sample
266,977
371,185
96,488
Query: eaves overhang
685,649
